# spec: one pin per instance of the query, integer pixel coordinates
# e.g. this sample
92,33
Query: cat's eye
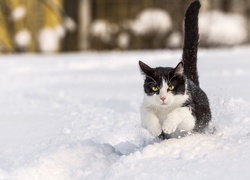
154,88
171,88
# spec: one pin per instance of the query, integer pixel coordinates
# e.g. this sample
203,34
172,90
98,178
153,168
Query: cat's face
163,86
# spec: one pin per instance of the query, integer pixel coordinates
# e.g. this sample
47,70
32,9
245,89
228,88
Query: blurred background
53,26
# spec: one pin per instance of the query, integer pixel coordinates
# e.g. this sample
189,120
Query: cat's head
163,86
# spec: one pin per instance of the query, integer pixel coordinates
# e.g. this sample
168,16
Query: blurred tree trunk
5,40
205,5
33,22
71,39
247,13
84,23
238,6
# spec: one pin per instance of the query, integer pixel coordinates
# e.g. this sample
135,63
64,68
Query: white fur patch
169,115
181,119
150,121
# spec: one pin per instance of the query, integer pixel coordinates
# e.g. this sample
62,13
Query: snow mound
151,21
103,29
231,116
87,160
217,28
76,116
18,13
174,40
123,40
22,38
49,39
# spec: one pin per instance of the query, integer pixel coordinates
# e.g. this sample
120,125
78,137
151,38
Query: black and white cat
174,104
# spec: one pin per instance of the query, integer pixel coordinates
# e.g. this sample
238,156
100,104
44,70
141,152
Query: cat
174,104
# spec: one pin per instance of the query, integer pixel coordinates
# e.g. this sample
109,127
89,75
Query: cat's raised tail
191,42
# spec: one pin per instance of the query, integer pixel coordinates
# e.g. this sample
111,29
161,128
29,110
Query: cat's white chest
157,118
162,113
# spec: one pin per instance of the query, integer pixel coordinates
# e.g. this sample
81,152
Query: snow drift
76,116
220,29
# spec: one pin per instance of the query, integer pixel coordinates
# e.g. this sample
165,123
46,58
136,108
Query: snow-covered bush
123,40
150,21
174,40
217,28
149,29
18,13
49,38
102,33
22,38
103,30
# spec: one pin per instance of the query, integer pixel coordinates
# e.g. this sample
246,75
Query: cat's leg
150,122
181,119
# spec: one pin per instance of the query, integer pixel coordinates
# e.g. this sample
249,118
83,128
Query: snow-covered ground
76,116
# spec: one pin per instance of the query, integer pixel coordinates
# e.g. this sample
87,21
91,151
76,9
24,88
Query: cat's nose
163,98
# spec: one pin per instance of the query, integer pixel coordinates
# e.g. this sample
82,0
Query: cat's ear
145,69
179,69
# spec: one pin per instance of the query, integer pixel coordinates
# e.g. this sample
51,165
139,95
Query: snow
18,13
22,38
49,38
69,24
218,28
123,40
103,29
175,40
151,21
76,116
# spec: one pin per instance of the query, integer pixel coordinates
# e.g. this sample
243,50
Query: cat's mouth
163,104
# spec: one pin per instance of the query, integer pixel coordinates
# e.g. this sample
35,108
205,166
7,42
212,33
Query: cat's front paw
169,127
155,129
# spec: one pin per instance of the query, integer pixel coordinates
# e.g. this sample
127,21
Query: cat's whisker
171,78
151,79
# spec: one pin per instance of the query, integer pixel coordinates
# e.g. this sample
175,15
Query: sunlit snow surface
76,116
